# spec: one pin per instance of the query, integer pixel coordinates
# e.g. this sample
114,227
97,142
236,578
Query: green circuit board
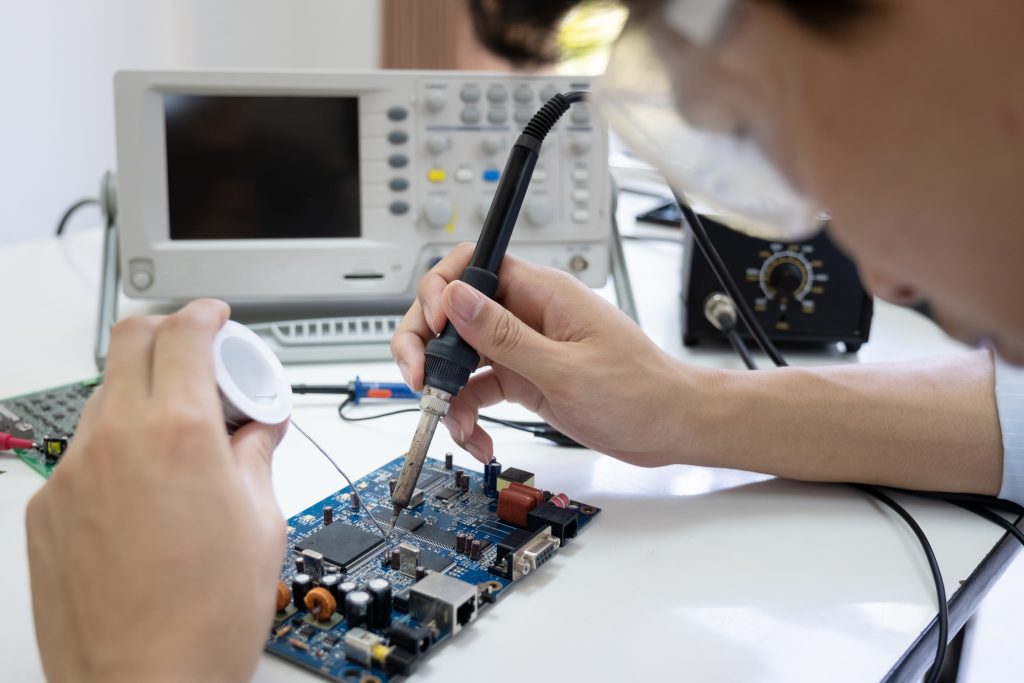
48,414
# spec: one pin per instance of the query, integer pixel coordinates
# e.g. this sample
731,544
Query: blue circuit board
320,647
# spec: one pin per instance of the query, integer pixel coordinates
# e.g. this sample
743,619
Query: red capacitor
513,506
535,493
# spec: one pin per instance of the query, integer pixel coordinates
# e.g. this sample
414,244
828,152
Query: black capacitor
474,550
396,559
458,478
357,608
344,588
300,586
448,460
328,514
380,609
421,571
493,469
329,582
300,564
464,484
460,543
354,500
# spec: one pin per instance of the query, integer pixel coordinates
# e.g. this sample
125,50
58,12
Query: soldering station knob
786,278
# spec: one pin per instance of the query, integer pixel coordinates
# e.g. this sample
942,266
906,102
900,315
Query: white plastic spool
251,379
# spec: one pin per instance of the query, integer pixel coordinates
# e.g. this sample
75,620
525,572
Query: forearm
930,425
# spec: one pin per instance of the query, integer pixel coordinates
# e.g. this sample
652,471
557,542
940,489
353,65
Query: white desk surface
689,573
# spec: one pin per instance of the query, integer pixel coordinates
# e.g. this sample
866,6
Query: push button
398,113
470,116
464,174
436,175
398,184
398,137
399,208
398,161
491,175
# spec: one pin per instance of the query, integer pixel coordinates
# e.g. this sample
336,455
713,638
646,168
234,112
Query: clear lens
718,172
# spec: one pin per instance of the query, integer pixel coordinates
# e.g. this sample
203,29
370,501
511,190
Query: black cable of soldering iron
744,312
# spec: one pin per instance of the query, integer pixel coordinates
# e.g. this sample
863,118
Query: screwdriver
450,360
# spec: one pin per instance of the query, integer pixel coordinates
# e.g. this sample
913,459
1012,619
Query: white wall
57,59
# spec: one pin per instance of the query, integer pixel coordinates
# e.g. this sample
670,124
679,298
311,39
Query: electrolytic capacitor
330,583
300,586
464,484
344,588
328,514
396,559
448,459
380,609
357,608
300,564
493,469
474,550
460,543
421,571
354,500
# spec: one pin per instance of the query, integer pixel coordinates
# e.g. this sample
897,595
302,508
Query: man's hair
523,31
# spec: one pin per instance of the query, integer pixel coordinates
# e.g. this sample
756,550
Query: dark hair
523,31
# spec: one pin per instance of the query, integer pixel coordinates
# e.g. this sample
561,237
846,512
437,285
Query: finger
431,286
480,445
408,344
183,354
127,372
253,446
499,335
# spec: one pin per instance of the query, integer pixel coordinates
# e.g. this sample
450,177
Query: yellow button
436,175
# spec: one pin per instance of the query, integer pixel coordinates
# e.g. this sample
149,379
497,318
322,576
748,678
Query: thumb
254,446
497,334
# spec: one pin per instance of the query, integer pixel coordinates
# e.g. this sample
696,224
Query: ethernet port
465,612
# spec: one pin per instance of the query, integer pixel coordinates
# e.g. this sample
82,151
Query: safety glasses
663,93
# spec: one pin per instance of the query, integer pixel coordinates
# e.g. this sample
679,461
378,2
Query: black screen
262,167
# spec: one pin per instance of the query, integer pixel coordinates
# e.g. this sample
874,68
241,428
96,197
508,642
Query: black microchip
332,638
449,493
437,535
428,478
434,561
409,523
340,543
306,631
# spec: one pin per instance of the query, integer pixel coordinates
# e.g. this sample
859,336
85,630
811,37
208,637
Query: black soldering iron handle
450,360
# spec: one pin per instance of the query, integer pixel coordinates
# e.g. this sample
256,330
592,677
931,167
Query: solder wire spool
250,378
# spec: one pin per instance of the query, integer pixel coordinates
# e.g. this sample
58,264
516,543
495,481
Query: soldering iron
449,359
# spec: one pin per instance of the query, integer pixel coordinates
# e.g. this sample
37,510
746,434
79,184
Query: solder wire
352,486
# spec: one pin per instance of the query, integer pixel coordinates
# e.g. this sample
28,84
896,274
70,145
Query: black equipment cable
744,312
740,348
63,222
541,430
704,243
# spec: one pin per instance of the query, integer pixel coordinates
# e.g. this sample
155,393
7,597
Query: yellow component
436,175
294,642
283,631
379,652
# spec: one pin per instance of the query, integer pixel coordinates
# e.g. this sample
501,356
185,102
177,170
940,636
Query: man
903,118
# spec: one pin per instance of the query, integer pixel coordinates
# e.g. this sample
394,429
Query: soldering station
314,202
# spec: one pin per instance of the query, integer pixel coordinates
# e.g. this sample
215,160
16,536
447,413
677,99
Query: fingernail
466,302
453,426
429,315
406,374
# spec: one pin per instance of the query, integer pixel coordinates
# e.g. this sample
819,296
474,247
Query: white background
58,57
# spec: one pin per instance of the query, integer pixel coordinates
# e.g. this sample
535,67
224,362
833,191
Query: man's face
909,130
